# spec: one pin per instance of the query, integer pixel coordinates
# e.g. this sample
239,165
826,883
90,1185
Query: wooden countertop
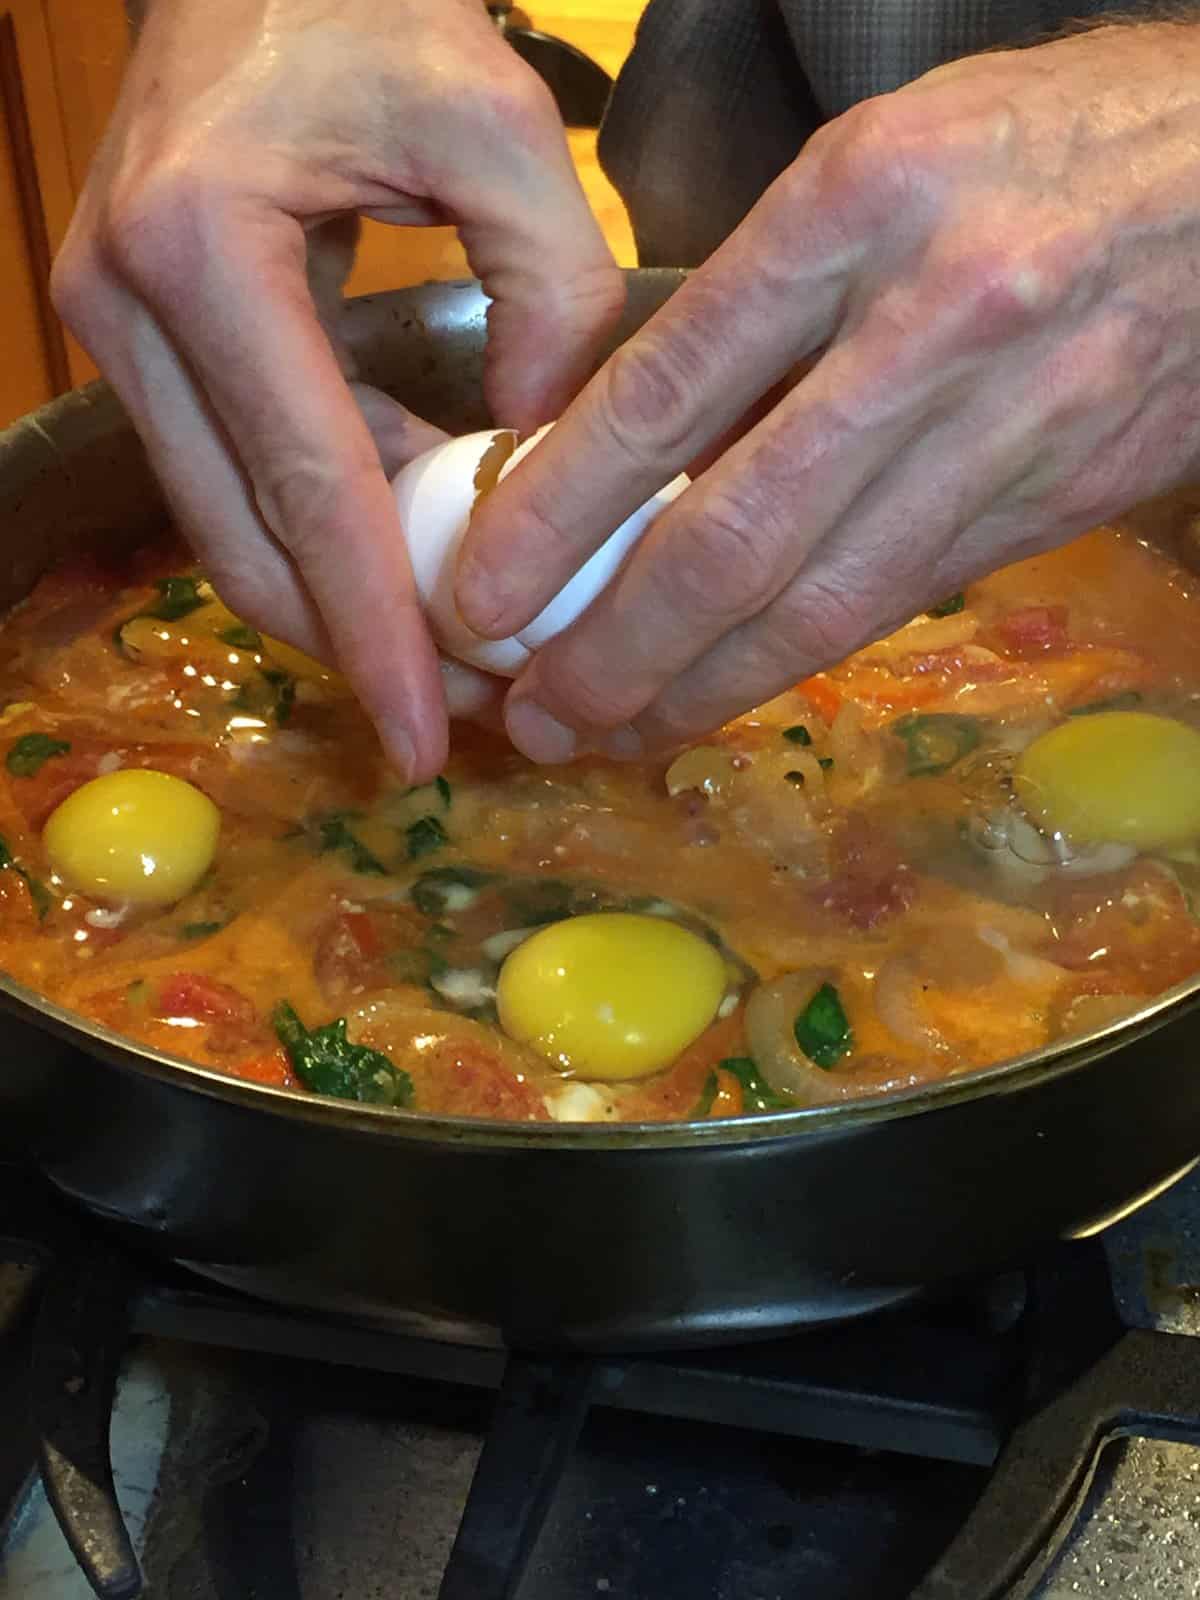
389,258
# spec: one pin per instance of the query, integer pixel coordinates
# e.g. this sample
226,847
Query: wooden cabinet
60,65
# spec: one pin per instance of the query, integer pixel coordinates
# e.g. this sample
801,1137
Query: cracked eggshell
435,495
598,572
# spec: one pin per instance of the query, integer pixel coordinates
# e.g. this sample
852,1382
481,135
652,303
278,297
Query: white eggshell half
599,571
435,494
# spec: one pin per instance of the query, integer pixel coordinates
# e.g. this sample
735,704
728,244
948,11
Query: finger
898,550
473,696
311,463
192,460
768,297
536,246
726,549
398,434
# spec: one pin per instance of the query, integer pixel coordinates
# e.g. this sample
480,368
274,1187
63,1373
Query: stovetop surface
244,1476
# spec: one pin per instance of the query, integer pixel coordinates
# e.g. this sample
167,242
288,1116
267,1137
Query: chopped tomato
269,1066
869,882
821,696
196,995
1032,630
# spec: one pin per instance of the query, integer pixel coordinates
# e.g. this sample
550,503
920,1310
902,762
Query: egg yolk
1120,777
614,995
133,835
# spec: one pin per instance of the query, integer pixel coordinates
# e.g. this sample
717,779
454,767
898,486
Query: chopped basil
797,734
794,777
823,1030
200,930
947,607
29,754
38,892
284,686
178,597
935,742
336,834
241,637
533,902
443,788
326,1062
1119,702
425,836
757,1093
444,890
708,1095
825,762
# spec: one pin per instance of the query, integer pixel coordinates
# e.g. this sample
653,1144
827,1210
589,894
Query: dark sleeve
718,96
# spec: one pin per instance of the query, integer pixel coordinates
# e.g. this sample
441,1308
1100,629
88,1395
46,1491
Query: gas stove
1032,1435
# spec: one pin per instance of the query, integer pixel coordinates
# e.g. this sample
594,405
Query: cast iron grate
1031,1376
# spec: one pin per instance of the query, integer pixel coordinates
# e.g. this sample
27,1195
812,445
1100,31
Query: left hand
1000,265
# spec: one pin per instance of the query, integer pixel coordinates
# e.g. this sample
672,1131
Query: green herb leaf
707,1096
29,754
534,902
241,637
825,762
424,837
284,686
797,734
38,892
200,930
448,889
179,597
823,1030
326,1062
949,606
757,1093
443,788
794,777
935,742
336,834
1119,702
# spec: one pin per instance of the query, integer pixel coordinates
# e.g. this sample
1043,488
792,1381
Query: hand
997,270
249,132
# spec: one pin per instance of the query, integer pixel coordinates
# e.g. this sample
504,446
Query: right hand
248,134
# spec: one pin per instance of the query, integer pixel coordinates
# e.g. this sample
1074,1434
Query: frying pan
605,1238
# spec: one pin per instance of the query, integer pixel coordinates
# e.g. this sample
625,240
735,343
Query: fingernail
537,735
622,744
401,751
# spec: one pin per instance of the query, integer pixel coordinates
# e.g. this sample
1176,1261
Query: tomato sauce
814,835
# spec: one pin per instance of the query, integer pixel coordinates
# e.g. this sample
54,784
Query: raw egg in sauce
1119,777
611,995
134,835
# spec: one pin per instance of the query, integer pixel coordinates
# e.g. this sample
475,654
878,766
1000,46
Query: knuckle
819,624
647,394
515,103
728,563
73,286
860,155
593,695
153,225
305,503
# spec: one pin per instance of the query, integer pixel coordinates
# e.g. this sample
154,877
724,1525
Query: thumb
534,243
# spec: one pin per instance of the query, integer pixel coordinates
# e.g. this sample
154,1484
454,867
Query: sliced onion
1022,966
896,987
1088,1011
770,1034
706,767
